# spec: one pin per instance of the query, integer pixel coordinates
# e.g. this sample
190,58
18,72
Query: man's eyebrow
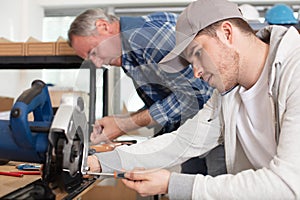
191,51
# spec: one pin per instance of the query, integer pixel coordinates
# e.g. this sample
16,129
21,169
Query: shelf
61,62
40,62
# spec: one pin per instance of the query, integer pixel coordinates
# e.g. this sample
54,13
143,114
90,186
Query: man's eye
198,53
91,54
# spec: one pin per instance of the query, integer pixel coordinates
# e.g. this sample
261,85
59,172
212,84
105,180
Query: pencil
15,174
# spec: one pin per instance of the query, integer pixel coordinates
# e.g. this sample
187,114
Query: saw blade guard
68,139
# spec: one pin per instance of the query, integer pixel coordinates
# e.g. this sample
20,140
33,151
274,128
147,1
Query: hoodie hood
282,44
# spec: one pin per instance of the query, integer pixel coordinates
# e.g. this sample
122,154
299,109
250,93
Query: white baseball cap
197,16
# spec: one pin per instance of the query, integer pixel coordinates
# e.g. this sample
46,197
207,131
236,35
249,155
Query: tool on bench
19,173
103,174
23,140
31,167
57,141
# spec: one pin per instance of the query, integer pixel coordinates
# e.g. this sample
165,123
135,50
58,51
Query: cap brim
174,61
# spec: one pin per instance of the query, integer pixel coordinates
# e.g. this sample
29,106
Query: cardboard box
6,103
8,48
56,95
34,47
63,48
40,49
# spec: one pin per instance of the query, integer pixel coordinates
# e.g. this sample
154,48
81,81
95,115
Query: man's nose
197,72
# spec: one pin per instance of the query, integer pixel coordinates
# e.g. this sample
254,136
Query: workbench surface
10,183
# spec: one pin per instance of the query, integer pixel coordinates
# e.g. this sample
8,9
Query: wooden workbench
10,183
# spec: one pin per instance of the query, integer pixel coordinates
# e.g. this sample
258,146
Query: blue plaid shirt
170,98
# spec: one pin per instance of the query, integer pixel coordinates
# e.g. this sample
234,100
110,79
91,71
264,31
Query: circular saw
68,144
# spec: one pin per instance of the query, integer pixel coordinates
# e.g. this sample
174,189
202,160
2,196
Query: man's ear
102,26
226,32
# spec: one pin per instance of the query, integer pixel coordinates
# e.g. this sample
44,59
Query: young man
137,44
256,108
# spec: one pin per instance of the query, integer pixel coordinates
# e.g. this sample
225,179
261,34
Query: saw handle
36,100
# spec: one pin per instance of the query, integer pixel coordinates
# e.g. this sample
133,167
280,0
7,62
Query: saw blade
68,138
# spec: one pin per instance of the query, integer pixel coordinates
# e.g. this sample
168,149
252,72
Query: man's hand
148,182
93,164
111,127
105,129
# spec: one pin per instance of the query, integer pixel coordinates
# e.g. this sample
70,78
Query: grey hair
85,23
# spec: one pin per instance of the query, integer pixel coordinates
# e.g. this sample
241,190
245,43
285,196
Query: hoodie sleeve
168,149
179,191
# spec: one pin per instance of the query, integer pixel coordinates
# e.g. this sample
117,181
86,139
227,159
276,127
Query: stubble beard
229,67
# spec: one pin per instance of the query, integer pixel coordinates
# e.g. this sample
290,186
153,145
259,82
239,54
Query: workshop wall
19,19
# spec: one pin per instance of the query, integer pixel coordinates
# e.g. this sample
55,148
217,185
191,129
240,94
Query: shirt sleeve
176,97
187,97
